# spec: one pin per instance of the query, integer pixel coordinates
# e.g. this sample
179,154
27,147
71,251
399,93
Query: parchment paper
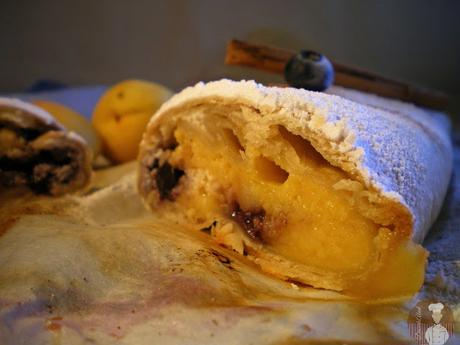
99,269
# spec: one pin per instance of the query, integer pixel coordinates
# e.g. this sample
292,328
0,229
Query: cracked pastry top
312,187
36,152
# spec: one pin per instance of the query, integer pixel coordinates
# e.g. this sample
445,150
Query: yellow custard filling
286,196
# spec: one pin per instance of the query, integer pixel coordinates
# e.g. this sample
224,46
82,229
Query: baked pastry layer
302,183
36,151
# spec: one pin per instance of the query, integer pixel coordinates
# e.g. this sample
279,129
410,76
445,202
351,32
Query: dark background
178,43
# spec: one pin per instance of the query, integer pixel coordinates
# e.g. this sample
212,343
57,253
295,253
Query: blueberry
309,70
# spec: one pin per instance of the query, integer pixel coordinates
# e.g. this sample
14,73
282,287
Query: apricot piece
122,114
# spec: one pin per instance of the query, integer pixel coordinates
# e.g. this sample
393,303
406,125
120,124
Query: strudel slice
38,153
311,187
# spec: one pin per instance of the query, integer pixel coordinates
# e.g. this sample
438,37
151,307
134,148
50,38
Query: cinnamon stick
273,59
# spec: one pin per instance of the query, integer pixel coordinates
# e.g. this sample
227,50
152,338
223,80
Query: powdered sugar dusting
30,108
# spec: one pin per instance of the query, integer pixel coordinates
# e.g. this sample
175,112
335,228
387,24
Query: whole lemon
73,121
122,113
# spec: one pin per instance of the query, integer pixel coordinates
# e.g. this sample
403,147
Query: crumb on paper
228,236
295,286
